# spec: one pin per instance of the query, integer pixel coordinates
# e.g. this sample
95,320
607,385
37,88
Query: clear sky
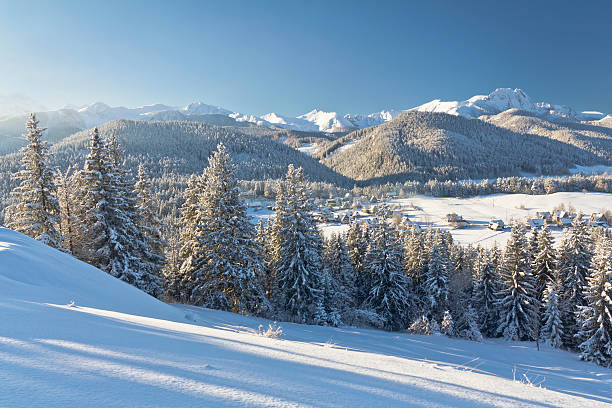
291,56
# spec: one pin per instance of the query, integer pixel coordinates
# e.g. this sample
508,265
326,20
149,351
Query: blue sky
292,56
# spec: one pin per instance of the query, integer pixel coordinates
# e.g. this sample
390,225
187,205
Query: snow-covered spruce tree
36,212
574,261
70,226
415,262
596,317
92,183
533,242
544,263
171,281
436,281
129,261
327,311
551,330
298,246
180,284
340,277
390,295
461,281
357,245
485,295
228,265
470,329
496,257
264,237
517,304
149,225
108,216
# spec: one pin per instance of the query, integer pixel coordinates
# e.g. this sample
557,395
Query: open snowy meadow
71,335
478,211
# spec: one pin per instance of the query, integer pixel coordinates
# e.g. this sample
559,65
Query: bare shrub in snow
274,331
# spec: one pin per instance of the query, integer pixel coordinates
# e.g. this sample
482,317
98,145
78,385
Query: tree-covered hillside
423,146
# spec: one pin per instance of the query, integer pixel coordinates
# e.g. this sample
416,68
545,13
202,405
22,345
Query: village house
496,225
545,215
535,223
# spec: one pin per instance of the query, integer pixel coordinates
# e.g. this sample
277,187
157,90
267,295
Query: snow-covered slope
117,347
31,271
501,100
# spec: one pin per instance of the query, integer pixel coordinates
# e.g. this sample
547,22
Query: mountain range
74,119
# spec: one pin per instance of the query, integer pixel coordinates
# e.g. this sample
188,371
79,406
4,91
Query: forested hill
594,137
184,147
423,146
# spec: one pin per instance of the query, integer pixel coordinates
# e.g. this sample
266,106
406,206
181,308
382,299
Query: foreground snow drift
117,347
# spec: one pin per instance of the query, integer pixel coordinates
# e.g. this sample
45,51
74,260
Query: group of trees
97,213
392,278
467,188
374,275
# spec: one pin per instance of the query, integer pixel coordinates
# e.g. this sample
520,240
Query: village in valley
481,220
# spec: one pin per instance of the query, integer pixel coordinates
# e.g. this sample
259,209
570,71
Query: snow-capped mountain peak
503,99
500,100
497,101
327,121
200,108
96,107
373,119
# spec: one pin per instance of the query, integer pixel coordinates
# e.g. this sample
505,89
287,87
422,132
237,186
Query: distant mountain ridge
65,121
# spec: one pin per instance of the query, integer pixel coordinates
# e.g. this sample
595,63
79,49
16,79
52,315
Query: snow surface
71,335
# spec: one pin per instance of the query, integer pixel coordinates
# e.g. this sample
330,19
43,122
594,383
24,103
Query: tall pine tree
485,295
389,295
596,317
544,263
36,212
228,265
436,280
180,284
574,260
298,246
551,331
108,215
149,225
518,305
357,245
338,266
